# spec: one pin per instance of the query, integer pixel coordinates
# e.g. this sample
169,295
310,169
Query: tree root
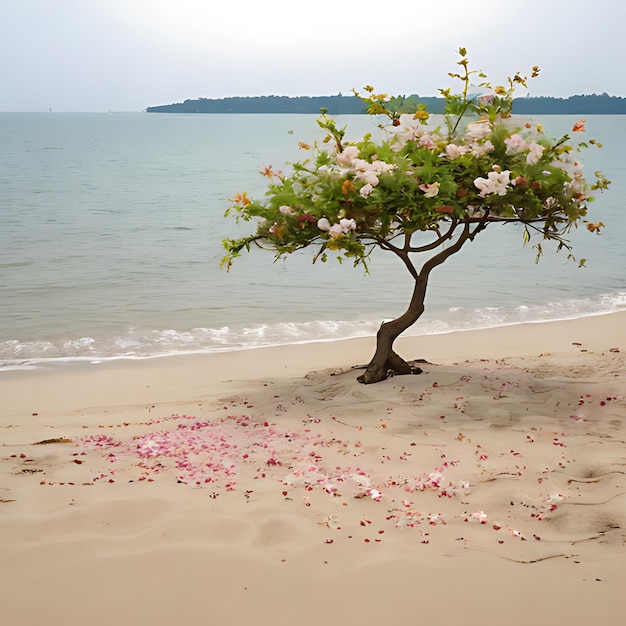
393,366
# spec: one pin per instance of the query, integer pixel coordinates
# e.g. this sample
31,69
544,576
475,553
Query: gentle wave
137,344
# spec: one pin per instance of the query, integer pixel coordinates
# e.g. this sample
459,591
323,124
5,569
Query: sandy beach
267,486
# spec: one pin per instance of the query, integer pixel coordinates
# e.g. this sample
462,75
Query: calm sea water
111,229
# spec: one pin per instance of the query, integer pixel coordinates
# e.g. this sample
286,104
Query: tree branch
435,244
438,259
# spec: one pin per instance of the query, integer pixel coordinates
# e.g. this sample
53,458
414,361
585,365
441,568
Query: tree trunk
385,361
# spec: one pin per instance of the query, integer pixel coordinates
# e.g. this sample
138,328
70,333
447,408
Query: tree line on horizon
339,104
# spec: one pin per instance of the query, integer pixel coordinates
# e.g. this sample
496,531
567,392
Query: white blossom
408,129
535,151
578,183
375,495
368,172
331,171
577,186
347,225
336,230
366,190
380,166
496,182
323,224
453,151
476,131
347,156
430,190
368,175
480,149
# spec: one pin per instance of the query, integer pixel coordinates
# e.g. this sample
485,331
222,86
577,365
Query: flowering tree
422,192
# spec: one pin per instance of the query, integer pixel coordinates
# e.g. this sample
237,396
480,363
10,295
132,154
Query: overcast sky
126,55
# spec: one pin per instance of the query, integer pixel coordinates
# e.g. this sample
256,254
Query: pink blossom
515,144
481,516
427,141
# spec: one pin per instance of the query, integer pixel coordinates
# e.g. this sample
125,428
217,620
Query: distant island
343,105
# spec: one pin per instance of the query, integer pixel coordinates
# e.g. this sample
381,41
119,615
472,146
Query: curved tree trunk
385,361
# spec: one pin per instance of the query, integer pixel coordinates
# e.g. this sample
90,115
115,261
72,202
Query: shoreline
166,380
157,341
37,363
269,486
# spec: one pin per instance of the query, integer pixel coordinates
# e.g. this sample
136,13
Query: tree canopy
449,182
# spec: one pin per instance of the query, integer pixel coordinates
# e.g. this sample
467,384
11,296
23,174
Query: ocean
111,229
